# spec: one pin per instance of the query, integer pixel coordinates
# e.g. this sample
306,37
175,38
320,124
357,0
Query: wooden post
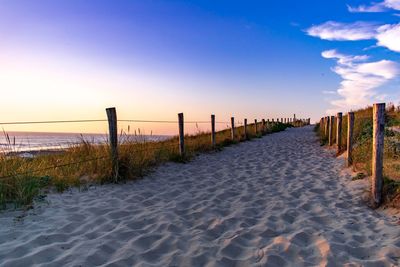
321,124
377,152
350,127
255,126
339,132
181,135
327,119
233,128
330,137
263,126
213,142
113,137
245,129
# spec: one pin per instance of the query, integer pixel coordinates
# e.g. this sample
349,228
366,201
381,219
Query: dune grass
362,145
24,179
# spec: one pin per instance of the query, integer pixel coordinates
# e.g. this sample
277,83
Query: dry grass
23,179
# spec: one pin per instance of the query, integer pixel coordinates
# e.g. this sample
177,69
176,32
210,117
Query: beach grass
362,144
24,179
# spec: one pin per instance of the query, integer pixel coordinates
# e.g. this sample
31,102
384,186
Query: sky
151,59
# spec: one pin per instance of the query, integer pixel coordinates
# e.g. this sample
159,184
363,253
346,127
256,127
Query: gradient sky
70,59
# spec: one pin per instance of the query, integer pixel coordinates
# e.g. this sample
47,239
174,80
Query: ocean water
29,141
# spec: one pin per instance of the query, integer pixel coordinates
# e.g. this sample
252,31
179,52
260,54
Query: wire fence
103,120
112,140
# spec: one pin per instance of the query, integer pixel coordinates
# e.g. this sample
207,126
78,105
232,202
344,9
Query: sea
18,142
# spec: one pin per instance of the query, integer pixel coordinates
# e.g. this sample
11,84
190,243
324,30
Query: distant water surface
29,141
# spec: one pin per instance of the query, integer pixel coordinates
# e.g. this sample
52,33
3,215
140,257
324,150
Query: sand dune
275,201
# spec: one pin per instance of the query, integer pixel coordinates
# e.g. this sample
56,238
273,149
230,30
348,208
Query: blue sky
152,59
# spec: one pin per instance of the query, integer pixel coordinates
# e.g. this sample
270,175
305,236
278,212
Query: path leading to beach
275,201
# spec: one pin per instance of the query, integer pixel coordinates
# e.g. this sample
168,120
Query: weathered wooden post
233,128
330,137
213,142
181,135
327,119
245,129
377,152
263,126
350,127
321,124
339,132
255,127
113,137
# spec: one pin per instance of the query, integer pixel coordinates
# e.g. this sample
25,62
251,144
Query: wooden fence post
263,126
339,132
350,127
321,124
181,135
233,128
113,137
377,152
245,129
255,126
327,119
330,137
213,142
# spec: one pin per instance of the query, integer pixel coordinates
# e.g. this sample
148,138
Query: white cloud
332,30
389,36
360,79
376,7
380,7
328,92
394,4
343,59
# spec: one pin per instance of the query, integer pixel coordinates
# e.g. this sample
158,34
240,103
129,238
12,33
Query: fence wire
101,120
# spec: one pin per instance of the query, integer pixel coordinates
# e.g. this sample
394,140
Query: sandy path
275,201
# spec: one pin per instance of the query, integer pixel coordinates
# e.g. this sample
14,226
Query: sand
275,201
